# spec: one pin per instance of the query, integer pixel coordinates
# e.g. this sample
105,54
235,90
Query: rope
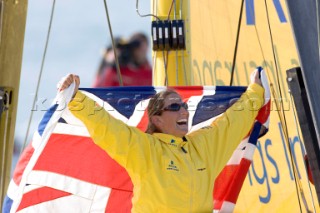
281,117
284,120
180,9
236,45
165,64
113,45
168,17
175,9
153,66
176,52
261,49
146,15
155,53
298,133
177,68
184,68
39,77
182,51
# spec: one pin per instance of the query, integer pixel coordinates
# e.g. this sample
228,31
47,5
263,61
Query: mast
304,17
12,27
172,63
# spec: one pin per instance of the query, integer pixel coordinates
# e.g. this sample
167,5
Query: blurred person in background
134,65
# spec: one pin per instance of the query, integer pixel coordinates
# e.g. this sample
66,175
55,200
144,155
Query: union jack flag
62,170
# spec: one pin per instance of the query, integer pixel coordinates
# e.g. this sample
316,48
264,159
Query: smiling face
172,122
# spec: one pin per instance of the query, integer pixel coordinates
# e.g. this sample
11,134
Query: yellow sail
265,39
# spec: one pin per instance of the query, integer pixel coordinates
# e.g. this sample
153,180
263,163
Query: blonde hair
155,107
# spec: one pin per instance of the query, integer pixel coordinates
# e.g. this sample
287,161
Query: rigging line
184,68
177,65
165,63
182,51
285,132
153,6
175,9
39,77
282,109
236,45
153,66
274,95
156,9
275,61
154,52
268,74
298,133
177,69
146,15
182,56
260,45
168,18
261,49
180,10
113,45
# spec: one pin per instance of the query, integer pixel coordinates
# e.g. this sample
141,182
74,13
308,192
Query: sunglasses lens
176,107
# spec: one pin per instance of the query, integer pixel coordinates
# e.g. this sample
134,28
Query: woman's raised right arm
127,145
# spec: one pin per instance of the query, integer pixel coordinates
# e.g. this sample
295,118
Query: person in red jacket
134,65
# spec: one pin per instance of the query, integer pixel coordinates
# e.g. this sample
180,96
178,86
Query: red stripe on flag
264,113
79,157
187,92
40,195
143,124
119,201
229,182
22,163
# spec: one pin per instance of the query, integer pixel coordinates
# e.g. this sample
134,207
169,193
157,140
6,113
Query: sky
79,33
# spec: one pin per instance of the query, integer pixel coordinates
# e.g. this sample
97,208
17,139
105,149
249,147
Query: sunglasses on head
176,107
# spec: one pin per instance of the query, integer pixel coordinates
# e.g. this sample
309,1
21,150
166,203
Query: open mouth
182,122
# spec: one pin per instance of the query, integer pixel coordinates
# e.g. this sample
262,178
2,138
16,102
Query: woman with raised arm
171,170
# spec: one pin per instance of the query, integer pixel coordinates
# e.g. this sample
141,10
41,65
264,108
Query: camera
126,50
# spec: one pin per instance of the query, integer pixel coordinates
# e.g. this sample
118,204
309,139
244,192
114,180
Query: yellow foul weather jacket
171,174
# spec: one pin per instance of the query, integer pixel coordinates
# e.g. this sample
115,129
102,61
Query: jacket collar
170,139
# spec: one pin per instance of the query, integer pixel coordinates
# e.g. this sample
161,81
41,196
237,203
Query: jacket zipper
188,161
